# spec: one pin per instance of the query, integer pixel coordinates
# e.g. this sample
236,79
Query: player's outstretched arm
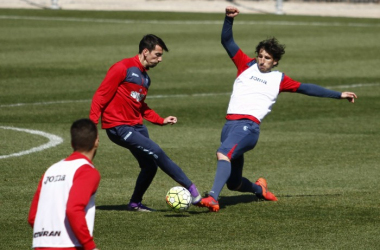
316,90
232,11
350,96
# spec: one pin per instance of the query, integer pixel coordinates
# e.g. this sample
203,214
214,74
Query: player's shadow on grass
112,207
123,207
225,201
305,195
177,215
234,200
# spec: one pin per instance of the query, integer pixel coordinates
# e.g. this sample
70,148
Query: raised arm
227,37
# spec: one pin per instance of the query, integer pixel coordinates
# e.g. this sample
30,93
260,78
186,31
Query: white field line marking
56,140
184,22
356,85
42,103
148,97
53,141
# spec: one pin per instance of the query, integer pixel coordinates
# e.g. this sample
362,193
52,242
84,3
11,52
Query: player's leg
239,183
223,166
137,139
149,147
148,170
233,133
148,167
237,138
223,171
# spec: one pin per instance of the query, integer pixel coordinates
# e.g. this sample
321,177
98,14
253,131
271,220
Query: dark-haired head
150,41
83,135
272,47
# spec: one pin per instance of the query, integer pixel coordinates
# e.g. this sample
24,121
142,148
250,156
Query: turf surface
319,155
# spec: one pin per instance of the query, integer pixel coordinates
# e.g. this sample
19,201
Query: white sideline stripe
356,85
42,103
187,95
148,97
53,141
56,140
200,22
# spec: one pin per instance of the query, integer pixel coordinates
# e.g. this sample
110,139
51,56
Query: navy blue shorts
238,137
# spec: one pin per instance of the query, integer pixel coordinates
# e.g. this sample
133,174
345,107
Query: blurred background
345,8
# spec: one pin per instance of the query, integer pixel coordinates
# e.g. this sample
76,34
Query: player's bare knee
221,156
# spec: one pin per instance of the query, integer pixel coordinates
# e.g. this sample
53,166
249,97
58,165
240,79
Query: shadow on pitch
112,207
123,207
225,201
305,195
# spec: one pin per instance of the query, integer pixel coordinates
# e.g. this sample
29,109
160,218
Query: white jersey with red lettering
51,226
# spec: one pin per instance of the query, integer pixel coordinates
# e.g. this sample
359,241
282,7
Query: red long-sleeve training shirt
120,98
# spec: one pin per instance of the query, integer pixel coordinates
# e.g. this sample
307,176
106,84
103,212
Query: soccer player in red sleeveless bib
62,213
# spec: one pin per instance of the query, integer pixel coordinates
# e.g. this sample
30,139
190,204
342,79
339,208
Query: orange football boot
210,203
266,194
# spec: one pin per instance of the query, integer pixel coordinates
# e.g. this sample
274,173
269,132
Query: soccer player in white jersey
255,90
62,213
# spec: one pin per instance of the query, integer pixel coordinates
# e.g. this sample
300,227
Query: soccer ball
178,199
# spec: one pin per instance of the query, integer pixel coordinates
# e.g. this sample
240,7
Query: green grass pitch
320,156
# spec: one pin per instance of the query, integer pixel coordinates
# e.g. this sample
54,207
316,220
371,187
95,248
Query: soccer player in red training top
255,90
120,100
63,208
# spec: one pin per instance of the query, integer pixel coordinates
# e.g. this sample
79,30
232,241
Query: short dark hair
150,41
272,46
83,135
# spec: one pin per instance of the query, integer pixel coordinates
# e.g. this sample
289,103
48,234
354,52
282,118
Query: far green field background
320,156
